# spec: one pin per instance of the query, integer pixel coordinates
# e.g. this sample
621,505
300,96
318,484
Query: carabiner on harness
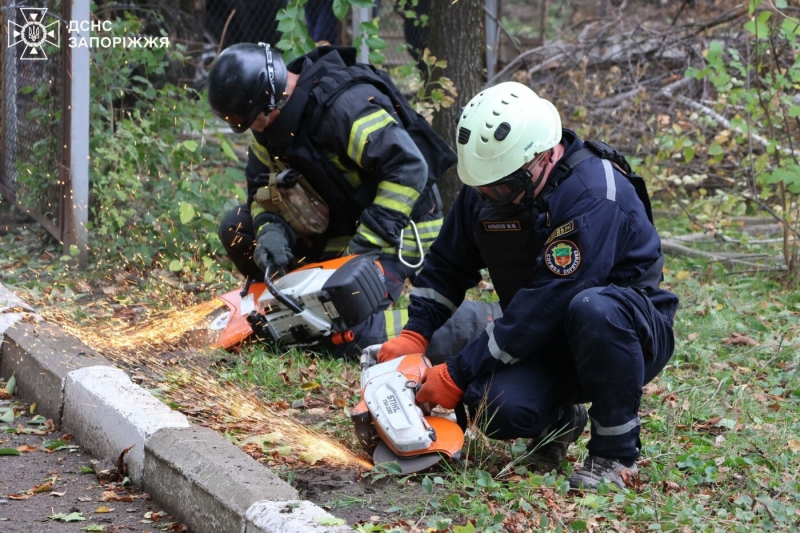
419,247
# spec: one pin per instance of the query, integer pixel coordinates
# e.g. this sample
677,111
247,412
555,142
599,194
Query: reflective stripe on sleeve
396,197
361,129
495,350
371,236
431,294
395,320
611,186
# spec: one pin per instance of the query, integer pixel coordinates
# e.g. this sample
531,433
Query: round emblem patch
562,257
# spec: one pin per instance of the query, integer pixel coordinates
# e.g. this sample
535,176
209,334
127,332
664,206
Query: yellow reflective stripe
371,236
361,129
256,209
395,320
427,230
350,175
337,244
396,197
261,153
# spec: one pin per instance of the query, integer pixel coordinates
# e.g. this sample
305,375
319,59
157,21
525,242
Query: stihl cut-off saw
391,426
315,303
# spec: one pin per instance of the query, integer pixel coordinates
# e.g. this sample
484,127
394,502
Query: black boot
550,448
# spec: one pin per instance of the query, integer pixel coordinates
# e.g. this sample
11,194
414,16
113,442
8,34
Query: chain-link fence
32,129
254,21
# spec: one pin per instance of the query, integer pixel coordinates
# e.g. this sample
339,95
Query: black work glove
272,248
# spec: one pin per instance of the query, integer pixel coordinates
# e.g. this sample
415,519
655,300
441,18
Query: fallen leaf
122,468
19,496
27,448
692,336
9,451
672,399
794,445
312,457
738,339
44,487
11,385
84,499
111,496
109,290
58,494
72,517
631,479
104,509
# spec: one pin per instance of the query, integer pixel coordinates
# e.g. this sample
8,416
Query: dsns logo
33,33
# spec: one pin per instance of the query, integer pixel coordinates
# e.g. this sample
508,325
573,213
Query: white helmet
501,129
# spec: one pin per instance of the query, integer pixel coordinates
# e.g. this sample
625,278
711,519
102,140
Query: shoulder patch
560,231
507,225
562,257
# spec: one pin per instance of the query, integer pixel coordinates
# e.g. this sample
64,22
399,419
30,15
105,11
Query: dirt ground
38,486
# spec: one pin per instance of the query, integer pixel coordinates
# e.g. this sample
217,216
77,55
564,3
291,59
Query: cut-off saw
390,425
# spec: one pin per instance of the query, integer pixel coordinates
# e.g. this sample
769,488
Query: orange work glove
405,343
438,388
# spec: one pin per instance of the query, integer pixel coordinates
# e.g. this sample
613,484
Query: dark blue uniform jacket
591,230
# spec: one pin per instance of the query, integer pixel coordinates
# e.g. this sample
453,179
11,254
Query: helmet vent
484,139
495,113
506,103
502,131
463,135
514,95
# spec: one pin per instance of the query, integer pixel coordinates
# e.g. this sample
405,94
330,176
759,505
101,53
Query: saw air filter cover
356,291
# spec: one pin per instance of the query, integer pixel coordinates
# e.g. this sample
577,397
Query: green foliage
757,89
429,94
296,41
151,196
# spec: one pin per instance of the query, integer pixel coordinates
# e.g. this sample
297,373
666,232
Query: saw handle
282,298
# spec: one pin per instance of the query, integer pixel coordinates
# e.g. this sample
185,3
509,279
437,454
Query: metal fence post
76,203
362,14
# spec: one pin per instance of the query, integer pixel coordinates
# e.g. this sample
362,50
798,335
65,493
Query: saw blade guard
388,393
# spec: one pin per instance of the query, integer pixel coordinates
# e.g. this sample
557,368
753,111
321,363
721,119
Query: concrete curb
193,473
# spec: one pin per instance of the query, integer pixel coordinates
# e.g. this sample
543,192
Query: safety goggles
507,189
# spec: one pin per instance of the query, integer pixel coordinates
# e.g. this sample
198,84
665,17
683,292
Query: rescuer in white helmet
565,229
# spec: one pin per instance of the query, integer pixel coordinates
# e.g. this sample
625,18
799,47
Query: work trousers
613,341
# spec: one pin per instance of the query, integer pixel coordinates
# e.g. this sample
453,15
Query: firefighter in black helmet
359,147
256,67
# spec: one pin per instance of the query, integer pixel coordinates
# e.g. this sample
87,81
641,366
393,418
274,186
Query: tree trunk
456,35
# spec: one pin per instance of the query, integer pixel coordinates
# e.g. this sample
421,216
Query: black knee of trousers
238,238
602,327
502,414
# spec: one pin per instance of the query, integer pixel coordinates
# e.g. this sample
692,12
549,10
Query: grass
720,427
721,434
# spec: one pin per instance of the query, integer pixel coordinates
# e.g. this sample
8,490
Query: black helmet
245,80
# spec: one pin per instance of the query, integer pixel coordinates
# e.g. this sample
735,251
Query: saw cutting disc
408,465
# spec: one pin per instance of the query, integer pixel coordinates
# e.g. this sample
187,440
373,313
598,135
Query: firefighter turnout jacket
589,230
360,149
